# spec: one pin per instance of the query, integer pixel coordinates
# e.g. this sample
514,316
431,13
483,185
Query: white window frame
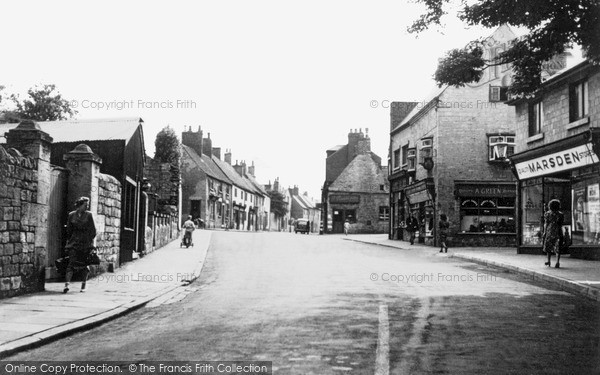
411,159
499,147
537,108
426,150
396,160
583,101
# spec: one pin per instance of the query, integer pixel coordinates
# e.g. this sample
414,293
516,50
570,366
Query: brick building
558,149
448,155
355,189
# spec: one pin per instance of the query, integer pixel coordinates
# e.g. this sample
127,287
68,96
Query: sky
277,82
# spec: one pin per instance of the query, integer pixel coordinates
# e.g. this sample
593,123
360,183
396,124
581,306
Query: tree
554,25
167,146
278,203
44,103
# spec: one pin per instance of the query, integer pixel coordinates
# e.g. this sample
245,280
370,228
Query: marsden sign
576,157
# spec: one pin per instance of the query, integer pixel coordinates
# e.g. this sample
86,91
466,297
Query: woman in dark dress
553,221
81,232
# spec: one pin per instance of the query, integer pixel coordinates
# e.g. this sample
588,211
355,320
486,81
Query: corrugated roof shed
85,130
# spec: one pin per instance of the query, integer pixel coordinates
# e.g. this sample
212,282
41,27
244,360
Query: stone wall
108,219
21,262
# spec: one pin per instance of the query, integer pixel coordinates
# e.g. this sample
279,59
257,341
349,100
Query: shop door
338,221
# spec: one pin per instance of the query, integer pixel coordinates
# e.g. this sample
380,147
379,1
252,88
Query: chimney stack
207,146
193,139
251,169
228,156
216,151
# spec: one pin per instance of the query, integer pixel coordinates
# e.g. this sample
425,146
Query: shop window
501,147
411,159
384,213
426,150
578,101
536,118
487,215
396,159
404,156
535,196
586,212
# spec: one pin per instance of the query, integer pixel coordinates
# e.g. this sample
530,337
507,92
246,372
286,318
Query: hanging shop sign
576,157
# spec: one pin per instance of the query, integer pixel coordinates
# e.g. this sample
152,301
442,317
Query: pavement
574,275
160,277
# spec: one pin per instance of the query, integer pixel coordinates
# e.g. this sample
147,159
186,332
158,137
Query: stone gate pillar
84,169
31,141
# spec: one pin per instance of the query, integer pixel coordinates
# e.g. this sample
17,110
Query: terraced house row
218,193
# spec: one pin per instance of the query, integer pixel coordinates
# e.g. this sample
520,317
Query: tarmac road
320,305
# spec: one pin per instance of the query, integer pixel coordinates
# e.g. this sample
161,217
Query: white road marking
382,360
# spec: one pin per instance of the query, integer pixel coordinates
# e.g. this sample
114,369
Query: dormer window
501,147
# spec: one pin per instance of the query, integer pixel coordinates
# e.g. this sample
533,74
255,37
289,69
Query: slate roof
362,175
233,176
206,164
422,105
85,130
260,188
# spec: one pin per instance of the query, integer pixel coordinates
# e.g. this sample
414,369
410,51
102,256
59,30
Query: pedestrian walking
346,227
443,226
188,227
412,226
553,236
81,232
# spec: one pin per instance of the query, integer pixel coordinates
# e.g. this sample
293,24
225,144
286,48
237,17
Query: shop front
418,200
398,182
344,208
487,215
567,170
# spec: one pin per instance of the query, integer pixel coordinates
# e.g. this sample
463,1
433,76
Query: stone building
448,155
206,190
221,194
558,149
355,189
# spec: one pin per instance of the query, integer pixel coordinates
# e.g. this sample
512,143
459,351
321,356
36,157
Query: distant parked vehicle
302,226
